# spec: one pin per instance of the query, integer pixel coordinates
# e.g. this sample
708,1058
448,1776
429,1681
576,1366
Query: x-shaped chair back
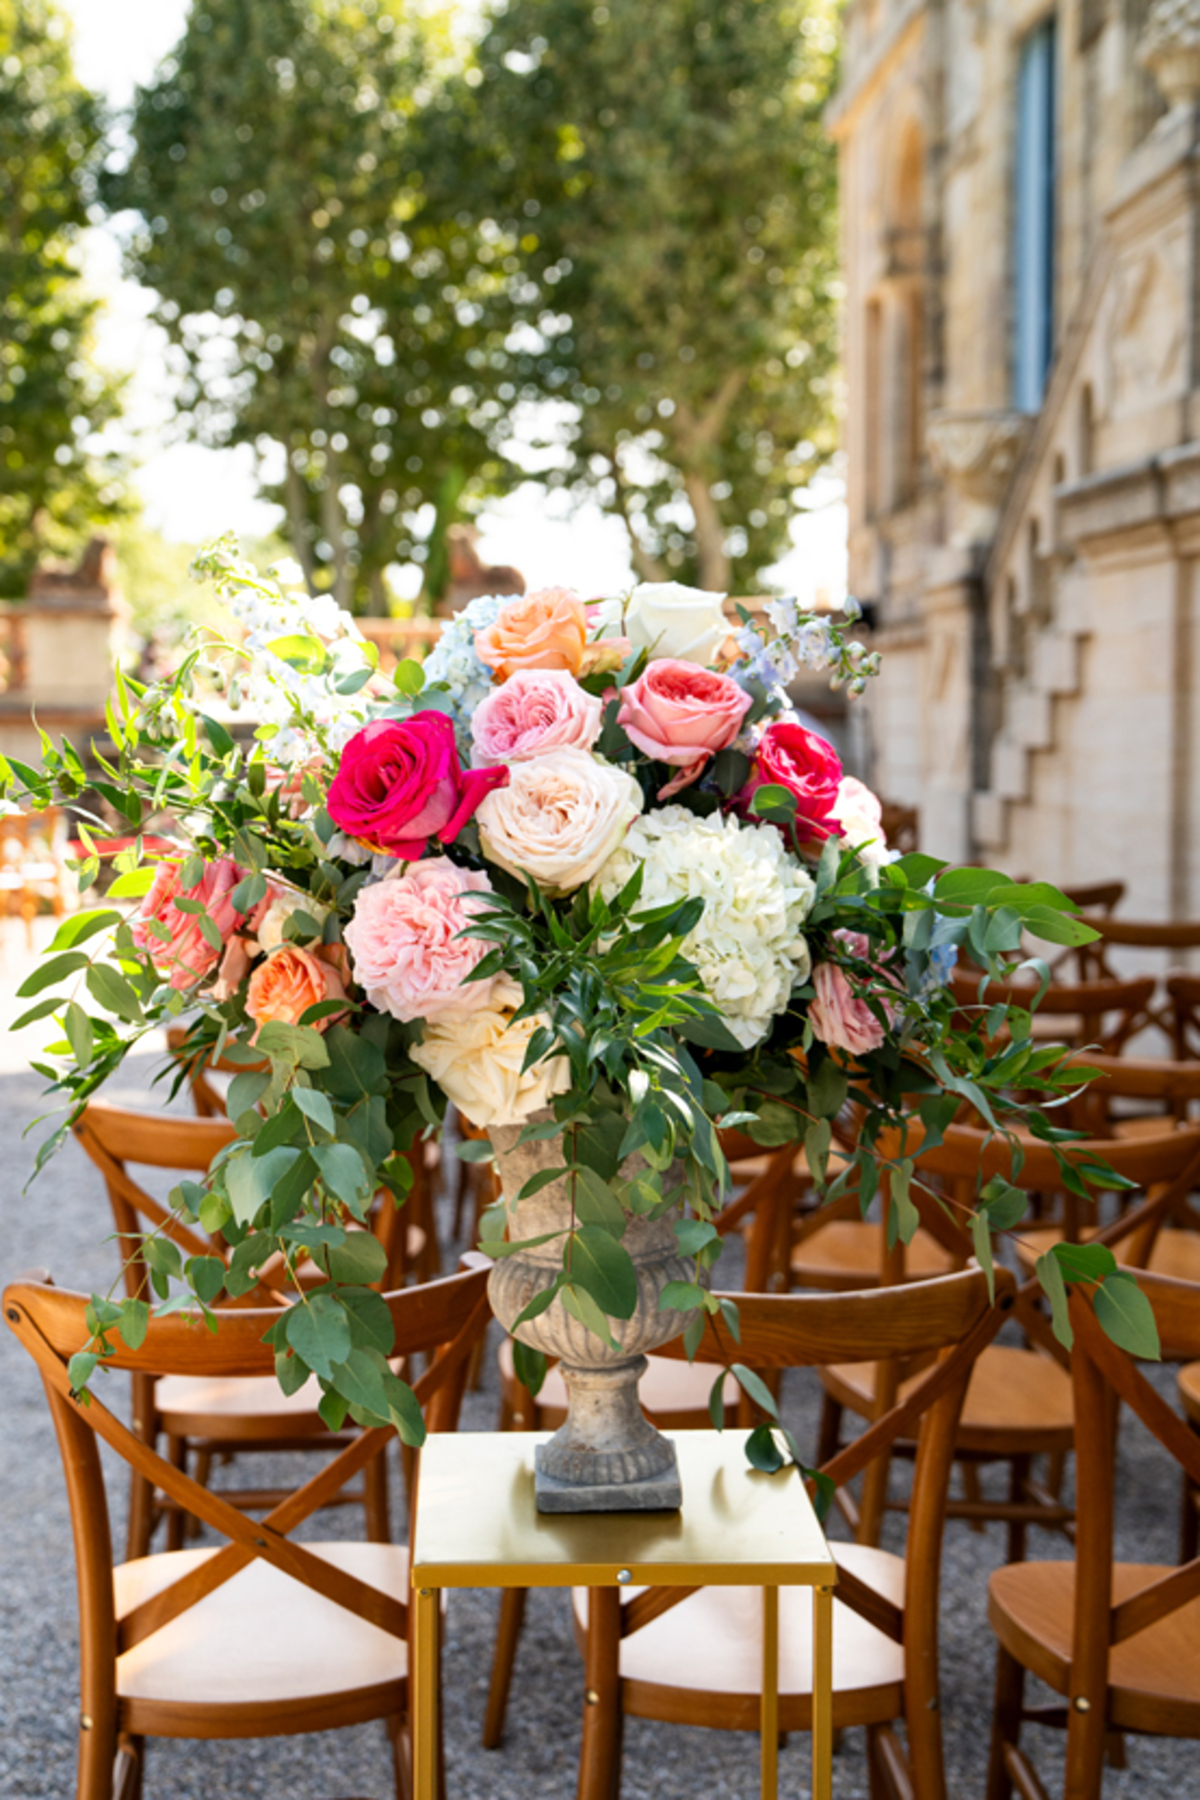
1109,1012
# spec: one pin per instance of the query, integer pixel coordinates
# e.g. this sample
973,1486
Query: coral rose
172,937
399,783
477,1061
561,816
535,710
546,630
837,1017
790,757
405,944
681,714
291,980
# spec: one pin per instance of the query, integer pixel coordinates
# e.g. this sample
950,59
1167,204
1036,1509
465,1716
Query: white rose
476,1061
860,815
560,817
668,619
282,902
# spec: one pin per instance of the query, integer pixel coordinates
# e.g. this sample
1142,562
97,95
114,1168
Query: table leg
768,1726
822,1694
423,1693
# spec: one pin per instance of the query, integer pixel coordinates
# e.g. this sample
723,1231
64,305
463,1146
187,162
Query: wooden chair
1092,959
901,826
1183,1000
694,1656
1018,1404
1104,1014
33,866
1102,897
266,1636
205,1415
1120,1642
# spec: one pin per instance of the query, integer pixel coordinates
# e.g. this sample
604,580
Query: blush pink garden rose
405,945
561,816
859,814
837,1017
288,982
535,710
184,954
681,714
806,765
399,784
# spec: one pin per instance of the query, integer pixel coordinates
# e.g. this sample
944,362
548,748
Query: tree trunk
297,512
645,566
710,534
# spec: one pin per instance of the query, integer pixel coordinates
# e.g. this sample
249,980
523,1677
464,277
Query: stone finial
1170,48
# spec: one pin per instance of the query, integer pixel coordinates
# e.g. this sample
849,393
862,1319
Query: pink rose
837,1017
184,953
790,757
290,784
682,714
859,814
405,946
535,710
399,783
288,982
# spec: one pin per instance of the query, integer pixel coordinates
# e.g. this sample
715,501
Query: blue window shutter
1033,218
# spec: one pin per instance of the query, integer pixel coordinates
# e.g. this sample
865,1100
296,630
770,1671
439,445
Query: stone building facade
1021,205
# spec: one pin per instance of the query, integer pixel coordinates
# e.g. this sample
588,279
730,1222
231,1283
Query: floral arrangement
584,872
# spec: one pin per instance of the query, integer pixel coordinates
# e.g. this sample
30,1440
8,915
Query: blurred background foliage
413,254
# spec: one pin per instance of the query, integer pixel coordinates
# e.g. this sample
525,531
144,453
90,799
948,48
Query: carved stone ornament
606,1456
1170,48
976,453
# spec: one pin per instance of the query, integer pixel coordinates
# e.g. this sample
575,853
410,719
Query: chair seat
1154,1677
707,1653
1189,1390
1176,1253
203,1406
674,1394
848,1253
259,1641
1015,1399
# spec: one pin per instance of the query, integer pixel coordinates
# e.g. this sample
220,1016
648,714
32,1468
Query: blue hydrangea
454,661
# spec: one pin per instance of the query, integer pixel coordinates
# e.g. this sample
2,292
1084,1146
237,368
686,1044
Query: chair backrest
951,1319
1106,1013
1099,896
1183,1002
1099,1369
1171,1086
198,1065
443,1318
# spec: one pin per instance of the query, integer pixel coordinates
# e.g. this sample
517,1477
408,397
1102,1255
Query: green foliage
56,480
669,185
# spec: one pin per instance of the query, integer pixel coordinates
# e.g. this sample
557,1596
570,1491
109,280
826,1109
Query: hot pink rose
184,955
837,1017
682,714
790,757
400,783
535,710
405,945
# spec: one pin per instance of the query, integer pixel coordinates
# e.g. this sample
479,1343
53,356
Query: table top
478,1526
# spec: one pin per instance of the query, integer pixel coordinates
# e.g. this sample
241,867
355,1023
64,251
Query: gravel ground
61,1224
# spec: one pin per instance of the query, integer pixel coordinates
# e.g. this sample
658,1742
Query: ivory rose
399,783
681,714
859,815
671,620
268,919
790,757
536,710
837,1017
559,819
405,945
476,1059
287,983
185,955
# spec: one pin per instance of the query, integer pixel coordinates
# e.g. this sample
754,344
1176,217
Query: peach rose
546,630
535,710
291,980
559,819
173,936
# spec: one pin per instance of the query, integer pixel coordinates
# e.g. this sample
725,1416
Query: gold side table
477,1527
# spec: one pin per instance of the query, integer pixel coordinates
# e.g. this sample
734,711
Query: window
1033,246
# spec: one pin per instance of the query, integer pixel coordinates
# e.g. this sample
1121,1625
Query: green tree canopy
274,171
56,482
666,173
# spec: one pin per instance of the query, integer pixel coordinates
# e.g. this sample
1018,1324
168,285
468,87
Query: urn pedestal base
606,1456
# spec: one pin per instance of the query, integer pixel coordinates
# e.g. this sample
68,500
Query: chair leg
830,1436
176,1520
201,1473
375,1500
401,1742
973,1491
1018,1530
1006,1722
1189,1521
127,1770
508,1633
600,1751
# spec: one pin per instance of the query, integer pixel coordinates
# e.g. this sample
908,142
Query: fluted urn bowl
606,1456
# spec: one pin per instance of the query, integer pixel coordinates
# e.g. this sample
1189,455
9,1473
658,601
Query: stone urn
606,1456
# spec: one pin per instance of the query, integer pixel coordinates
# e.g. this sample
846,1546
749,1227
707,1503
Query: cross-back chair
694,1656
1104,1014
206,1415
1119,1642
1093,961
266,1636
1183,999
1019,1404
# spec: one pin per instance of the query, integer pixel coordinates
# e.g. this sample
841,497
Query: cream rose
281,902
477,1060
560,817
668,619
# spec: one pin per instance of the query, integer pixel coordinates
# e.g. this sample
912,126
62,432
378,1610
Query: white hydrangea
747,946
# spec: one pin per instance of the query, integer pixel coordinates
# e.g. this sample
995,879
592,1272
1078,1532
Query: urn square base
653,1493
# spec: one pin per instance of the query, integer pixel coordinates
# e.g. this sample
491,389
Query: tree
666,174
313,313
56,479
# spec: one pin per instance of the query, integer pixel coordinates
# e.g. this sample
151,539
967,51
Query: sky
192,494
